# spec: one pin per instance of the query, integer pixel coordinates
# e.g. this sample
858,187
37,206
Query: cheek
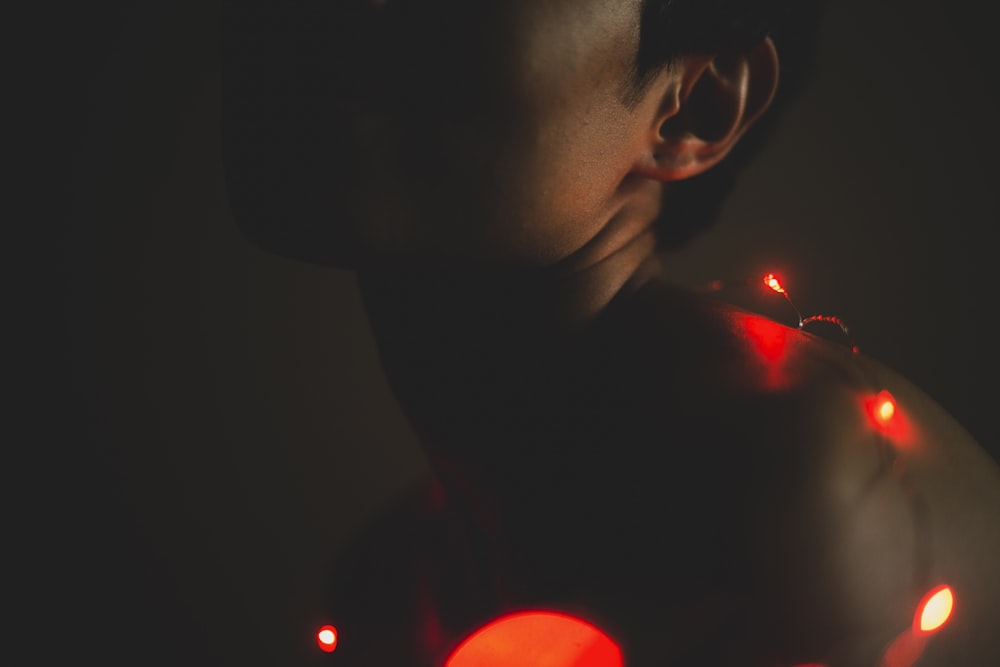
532,191
577,172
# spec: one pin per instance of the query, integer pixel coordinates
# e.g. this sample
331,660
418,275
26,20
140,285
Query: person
709,486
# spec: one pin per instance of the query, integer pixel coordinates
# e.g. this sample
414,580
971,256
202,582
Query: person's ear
712,104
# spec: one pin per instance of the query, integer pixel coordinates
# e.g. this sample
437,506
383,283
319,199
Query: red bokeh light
327,638
539,639
883,408
934,610
772,281
885,416
886,409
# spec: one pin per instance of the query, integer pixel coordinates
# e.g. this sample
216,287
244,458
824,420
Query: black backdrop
214,423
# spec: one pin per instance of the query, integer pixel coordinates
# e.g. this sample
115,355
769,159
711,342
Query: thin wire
775,286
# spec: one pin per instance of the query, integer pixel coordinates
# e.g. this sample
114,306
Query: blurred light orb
772,281
327,638
538,639
935,609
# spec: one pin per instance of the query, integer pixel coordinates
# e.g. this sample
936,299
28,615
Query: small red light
934,610
772,281
882,409
885,406
326,638
888,418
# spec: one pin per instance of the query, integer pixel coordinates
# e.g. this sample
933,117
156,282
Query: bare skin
678,450
644,454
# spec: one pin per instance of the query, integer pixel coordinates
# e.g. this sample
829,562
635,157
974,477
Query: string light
326,638
931,615
522,638
774,284
772,281
934,610
885,407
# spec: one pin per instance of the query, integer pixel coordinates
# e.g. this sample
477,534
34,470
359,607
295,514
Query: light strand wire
889,456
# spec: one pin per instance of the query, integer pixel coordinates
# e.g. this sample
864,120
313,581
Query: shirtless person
706,485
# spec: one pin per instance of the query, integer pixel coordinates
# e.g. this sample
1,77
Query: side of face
505,131
528,164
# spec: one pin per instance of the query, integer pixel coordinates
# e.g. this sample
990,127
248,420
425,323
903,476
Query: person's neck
439,315
483,359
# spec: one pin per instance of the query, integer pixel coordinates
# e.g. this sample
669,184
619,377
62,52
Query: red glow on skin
934,610
904,651
431,634
770,344
539,639
768,339
327,638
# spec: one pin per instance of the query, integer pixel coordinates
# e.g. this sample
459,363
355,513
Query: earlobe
718,102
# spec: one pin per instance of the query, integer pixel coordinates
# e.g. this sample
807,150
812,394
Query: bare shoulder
864,494
951,489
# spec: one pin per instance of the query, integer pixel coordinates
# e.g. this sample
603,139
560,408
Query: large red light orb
539,639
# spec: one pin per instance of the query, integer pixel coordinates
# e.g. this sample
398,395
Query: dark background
214,421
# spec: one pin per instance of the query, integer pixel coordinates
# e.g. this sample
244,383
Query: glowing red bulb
885,407
326,638
934,610
772,281
542,638
882,410
888,418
